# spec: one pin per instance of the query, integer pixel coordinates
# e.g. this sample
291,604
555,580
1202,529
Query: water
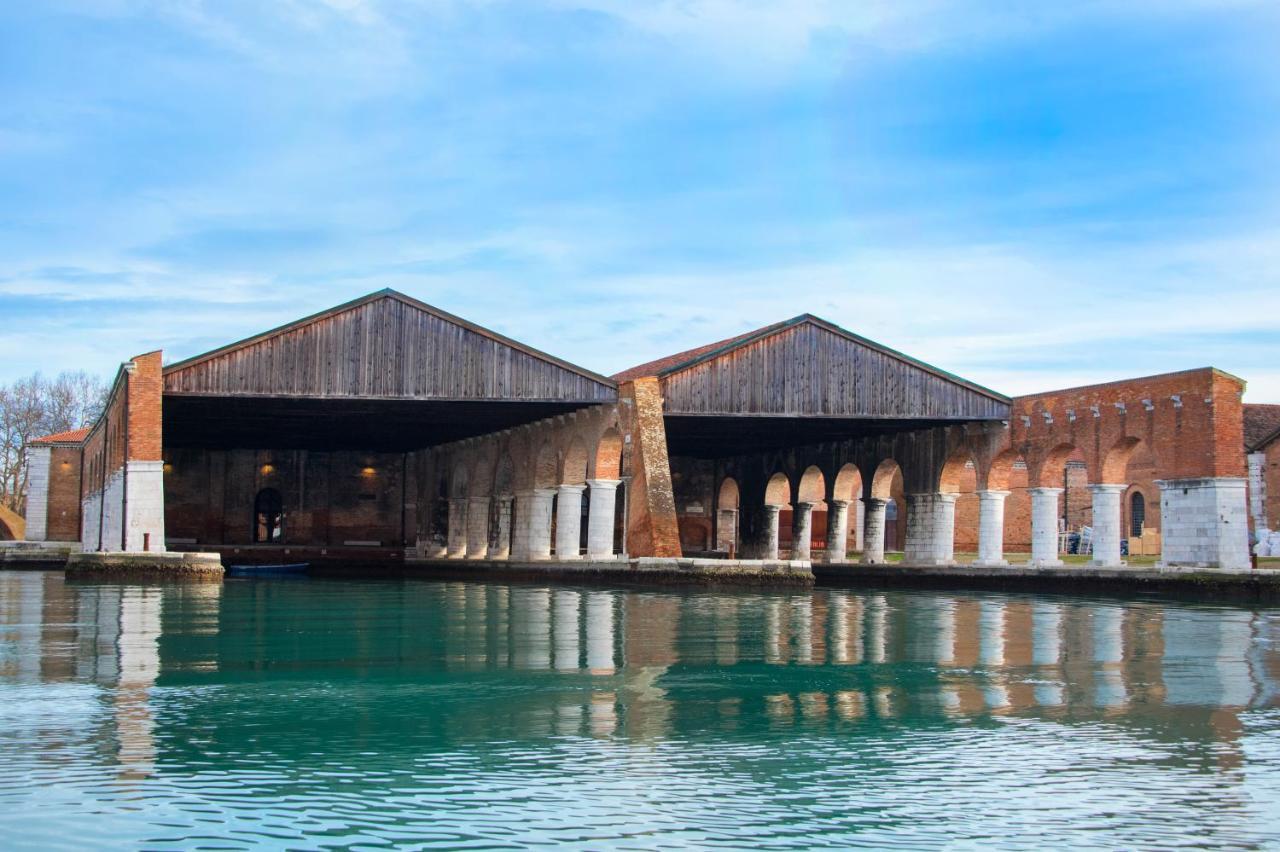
307,713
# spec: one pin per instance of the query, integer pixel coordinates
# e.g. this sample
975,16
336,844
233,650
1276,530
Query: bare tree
33,407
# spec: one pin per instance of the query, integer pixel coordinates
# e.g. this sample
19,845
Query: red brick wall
104,449
1271,474
652,528
64,494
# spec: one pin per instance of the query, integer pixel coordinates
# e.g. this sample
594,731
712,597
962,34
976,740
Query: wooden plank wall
809,371
385,349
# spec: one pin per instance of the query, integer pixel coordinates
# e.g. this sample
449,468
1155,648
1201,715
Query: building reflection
646,666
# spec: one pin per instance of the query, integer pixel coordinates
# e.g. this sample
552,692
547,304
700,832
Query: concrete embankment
145,567
1204,583
642,571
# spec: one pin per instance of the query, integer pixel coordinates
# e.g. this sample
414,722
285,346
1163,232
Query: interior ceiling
378,425
710,437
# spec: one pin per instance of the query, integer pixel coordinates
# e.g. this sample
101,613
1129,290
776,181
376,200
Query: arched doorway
268,517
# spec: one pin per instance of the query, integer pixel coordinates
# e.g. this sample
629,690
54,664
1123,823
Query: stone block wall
1205,522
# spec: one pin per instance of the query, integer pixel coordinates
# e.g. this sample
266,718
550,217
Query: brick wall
652,527
63,520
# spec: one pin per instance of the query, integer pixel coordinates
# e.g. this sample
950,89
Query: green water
316,713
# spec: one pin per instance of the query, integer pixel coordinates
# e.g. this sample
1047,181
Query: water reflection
383,676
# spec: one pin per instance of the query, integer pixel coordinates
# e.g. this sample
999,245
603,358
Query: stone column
531,533
39,463
600,518
1106,525
770,550
991,528
478,528
837,531
802,531
931,529
502,543
1044,527
873,531
1204,523
457,547
569,522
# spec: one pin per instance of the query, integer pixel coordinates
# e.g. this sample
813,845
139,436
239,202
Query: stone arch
882,479
459,480
813,486
953,470
848,484
12,525
482,474
544,467
608,461
730,494
778,490
1001,471
1115,463
575,463
1049,473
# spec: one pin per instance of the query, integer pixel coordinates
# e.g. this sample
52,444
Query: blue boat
288,569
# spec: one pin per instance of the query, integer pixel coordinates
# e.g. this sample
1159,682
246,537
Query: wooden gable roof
808,366
386,346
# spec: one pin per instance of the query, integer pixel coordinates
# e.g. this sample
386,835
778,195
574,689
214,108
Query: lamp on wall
268,469
368,470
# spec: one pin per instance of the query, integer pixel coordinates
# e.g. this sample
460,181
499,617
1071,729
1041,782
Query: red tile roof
1261,425
72,436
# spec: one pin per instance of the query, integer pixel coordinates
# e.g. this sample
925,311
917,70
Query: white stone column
502,544
457,547
478,528
727,530
991,528
837,531
1204,523
600,517
873,531
802,531
1044,527
931,529
771,532
39,460
569,522
540,523
859,524
1106,524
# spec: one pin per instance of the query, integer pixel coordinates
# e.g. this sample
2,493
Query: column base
1097,563
994,563
1045,563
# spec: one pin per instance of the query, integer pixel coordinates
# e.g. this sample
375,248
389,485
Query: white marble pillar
569,522
771,532
802,531
478,528
457,546
531,534
991,528
600,517
931,529
873,531
837,531
502,542
1107,524
1044,527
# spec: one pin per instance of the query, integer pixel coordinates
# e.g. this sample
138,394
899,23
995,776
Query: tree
33,407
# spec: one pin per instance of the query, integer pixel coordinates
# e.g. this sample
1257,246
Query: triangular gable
810,367
385,346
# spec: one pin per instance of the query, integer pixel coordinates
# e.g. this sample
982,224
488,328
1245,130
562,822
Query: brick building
1262,451
386,429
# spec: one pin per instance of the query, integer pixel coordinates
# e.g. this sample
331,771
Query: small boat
287,569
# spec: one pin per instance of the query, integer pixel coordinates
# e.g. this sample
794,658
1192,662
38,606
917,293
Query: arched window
268,517
1137,514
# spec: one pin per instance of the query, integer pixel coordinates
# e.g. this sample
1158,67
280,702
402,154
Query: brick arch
778,490
504,474
729,495
1000,471
1115,462
545,464
1048,471
459,479
574,469
953,469
12,525
813,485
608,457
848,483
482,474
882,479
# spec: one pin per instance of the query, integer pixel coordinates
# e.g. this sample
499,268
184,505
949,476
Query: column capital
839,504
1108,488
604,483
1047,491
875,502
543,492
565,488
481,499
804,504
769,507
992,494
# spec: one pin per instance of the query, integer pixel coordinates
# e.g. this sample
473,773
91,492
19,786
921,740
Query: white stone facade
1204,522
1257,492
1107,524
38,461
128,514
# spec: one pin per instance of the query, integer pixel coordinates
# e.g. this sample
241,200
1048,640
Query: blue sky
1057,195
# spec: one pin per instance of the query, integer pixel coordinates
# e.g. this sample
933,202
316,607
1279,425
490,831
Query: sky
1033,195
